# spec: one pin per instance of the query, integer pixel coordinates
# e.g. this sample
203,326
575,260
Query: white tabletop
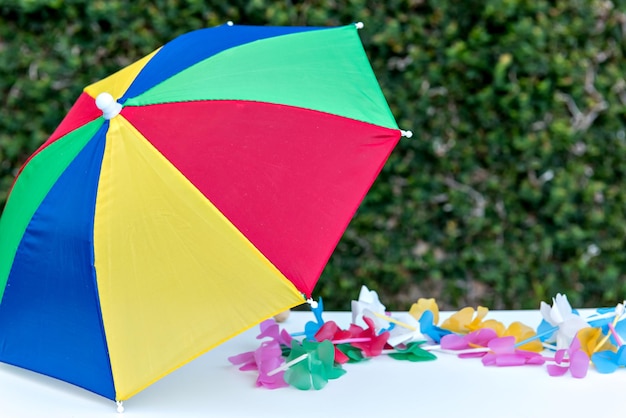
382,387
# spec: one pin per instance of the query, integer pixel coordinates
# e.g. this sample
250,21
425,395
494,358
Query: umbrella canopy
185,199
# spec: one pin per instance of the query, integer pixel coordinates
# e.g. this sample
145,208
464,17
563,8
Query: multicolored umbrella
185,199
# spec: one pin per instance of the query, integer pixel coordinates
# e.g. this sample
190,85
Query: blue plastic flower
428,328
311,327
608,361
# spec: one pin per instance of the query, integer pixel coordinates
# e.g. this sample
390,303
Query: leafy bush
511,189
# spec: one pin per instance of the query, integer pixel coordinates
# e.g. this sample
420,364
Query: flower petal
428,328
620,358
579,364
523,332
503,345
481,337
368,300
590,338
510,359
489,359
554,370
246,359
454,342
327,331
605,361
459,321
423,305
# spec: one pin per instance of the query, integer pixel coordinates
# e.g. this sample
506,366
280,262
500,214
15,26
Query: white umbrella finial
110,108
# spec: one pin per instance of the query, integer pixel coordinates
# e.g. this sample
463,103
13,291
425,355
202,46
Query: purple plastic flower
267,358
270,329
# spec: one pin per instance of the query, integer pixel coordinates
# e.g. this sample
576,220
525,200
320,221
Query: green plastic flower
316,367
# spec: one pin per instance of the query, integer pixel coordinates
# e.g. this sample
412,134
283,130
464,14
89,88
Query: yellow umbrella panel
172,272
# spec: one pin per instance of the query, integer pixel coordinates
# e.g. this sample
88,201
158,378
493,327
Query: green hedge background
512,188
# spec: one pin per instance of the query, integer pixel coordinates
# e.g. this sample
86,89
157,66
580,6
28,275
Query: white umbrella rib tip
109,106
407,134
312,303
359,25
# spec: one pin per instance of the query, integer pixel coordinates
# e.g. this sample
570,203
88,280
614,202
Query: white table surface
447,387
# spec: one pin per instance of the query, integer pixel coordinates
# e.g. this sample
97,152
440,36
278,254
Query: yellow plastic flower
497,326
422,305
591,341
464,321
523,332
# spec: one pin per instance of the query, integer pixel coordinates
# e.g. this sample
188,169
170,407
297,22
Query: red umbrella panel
185,199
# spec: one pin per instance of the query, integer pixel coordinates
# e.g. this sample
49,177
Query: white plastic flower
368,300
561,315
380,319
406,330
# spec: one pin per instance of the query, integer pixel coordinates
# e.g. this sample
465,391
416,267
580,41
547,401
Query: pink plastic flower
503,354
472,342
374,344
577,361
330,331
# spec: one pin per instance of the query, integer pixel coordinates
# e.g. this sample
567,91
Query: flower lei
563,342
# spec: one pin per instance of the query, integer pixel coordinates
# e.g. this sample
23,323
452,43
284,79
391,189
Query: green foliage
511,189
